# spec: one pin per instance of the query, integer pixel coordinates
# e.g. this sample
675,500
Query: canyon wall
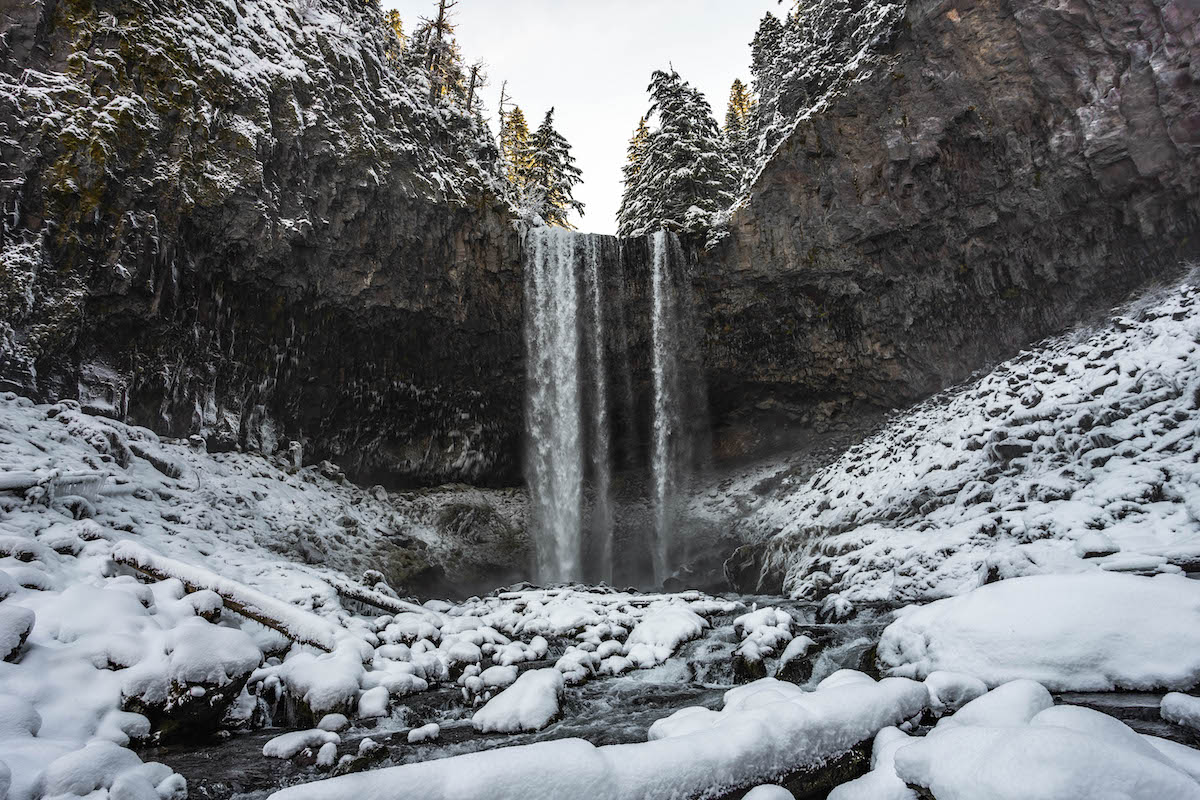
992,171
244,221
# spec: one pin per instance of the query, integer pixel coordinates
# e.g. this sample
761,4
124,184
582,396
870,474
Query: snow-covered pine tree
552,176
687,173
631,197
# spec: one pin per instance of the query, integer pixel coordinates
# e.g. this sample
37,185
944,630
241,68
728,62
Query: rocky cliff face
241,220
986,174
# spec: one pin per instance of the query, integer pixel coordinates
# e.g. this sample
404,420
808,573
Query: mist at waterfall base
615,406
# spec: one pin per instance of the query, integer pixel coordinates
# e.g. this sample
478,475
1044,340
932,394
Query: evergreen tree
552,176
764,52
636,155
514,148
687,173
738,121
395,26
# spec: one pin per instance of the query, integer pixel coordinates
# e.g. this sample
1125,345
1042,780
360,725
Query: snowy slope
1079,455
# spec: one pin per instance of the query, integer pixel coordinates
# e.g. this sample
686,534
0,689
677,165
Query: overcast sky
592,59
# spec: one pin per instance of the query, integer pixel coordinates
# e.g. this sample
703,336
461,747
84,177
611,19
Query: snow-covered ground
255,607
1079,455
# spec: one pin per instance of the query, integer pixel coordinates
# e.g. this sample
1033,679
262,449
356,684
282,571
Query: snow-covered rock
529,704
334,723
1012,703
374,702
768,792
290,744
425,733
15,624
950,691
1182,709
1047,762
1094,631
664,629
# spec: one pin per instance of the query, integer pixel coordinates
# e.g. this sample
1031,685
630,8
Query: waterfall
578,325
667,424
554,464
567,384
601,528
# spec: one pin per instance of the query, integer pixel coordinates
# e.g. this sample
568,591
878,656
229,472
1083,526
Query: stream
603,710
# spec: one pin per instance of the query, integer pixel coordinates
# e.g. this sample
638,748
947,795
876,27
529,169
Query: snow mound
1012,703
950,691
663,630
530,704
1036,762
290,744
1014,743
1182,709
1086,632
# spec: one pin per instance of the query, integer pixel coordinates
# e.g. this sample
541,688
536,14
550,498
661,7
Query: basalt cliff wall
990,172
245,221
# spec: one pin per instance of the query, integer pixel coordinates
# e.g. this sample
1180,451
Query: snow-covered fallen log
767,730
361,594
295,623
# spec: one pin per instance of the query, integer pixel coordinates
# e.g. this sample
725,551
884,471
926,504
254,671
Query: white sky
592,59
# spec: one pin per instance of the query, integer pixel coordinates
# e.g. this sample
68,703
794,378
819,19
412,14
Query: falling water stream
665,341
554,413
601,456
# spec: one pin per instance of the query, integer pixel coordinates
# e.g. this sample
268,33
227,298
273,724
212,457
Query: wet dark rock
748,667
746,571
797,671
190,712
816,782
1009,449
366,757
